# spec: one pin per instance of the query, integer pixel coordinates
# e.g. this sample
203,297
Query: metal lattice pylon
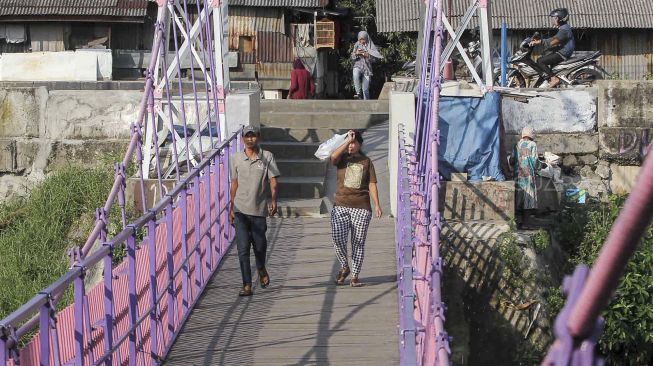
196,38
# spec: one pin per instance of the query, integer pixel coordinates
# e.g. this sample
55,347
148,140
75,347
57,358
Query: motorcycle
473,51
580,69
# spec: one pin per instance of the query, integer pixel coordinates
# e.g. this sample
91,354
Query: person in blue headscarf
363,54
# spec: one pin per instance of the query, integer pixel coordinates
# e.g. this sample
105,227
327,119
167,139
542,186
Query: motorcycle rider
558,48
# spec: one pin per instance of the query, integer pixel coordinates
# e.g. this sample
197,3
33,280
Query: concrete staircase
293,129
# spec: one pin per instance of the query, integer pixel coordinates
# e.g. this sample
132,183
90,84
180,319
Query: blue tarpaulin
470,137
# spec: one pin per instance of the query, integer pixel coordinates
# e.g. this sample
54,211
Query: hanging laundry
303,35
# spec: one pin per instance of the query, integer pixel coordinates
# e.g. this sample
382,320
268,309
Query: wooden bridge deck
302,318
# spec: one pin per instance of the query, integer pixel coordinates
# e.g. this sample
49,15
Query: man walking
250,170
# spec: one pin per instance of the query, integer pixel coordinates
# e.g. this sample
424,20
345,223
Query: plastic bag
552,172
329,146
551,158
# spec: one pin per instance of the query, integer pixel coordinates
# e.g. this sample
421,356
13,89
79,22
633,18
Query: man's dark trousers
250,230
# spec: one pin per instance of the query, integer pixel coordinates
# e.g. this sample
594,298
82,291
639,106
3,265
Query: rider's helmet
561,13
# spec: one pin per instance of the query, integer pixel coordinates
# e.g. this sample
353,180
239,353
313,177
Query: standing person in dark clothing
559,47
301,83
250,171
356,184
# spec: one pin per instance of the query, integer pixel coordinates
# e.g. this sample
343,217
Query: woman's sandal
355,282
342,276
264,278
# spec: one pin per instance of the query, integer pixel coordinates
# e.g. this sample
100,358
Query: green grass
35,232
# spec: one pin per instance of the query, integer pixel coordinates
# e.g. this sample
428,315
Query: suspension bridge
172,299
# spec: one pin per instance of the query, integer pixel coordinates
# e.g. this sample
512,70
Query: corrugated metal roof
403,15
106,8
281,3
273,47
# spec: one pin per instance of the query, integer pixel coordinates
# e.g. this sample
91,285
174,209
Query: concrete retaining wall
80,65
402,112
43,129
487,201
559,111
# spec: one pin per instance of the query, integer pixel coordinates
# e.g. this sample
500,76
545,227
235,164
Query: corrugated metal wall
248,21
627,54
273,47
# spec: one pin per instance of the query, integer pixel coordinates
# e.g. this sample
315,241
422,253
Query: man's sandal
264,278
246,291
342,276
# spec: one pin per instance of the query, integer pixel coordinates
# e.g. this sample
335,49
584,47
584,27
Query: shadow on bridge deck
302,318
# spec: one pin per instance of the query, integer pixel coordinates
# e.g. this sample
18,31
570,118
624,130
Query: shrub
628,335
541,241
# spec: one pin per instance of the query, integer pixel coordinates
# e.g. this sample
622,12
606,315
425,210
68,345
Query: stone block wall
42,129
602,155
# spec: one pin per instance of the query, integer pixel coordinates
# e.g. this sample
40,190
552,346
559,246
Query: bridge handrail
33,305
404,252
419,184
118,187
81,258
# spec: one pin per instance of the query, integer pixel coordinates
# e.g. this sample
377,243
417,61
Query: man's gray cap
248,129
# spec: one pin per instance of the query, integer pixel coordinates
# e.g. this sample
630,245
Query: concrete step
315,105
325,120
299,134
301,187
310,207
291,150
302,167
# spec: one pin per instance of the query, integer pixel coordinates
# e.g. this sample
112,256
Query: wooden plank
302,318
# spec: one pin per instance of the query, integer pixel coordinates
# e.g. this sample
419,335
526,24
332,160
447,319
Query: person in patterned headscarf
364,53
356,184
526,164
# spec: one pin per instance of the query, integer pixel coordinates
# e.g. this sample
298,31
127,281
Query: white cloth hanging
303,36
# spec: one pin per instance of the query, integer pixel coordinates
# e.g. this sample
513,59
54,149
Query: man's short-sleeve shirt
252,176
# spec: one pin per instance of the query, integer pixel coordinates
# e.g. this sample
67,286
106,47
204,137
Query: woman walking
301,84
356,184
364,53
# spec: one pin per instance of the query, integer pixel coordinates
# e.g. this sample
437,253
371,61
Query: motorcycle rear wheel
586,76
512,81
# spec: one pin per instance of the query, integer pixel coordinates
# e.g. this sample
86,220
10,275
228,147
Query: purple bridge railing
424,340
419,265
134,314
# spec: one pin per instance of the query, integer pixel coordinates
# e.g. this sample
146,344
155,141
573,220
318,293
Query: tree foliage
628,335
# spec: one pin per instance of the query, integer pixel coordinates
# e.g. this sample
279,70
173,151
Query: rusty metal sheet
626,55
247,57
245,22
274,70
273,47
